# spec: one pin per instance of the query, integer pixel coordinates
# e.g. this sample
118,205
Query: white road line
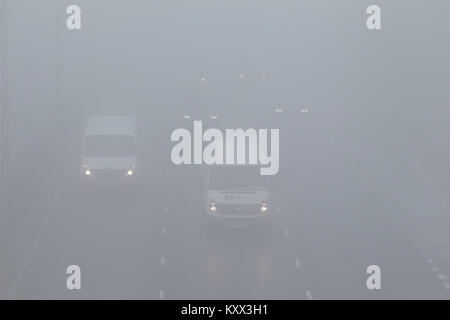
163,262
166,189
442,277
433,190
435,269
161,294
297,263
430,261
422,253
409,233
309,295
286,233
165,231
166,209
447,285
279,211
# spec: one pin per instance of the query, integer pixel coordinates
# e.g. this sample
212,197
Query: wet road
330,220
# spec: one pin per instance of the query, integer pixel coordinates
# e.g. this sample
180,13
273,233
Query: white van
236,195
109,151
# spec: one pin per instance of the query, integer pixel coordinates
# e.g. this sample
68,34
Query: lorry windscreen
109,146
238,177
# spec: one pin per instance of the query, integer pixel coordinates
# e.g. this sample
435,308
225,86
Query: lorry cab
109,156
236,195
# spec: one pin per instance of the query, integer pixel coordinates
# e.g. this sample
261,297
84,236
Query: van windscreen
109,146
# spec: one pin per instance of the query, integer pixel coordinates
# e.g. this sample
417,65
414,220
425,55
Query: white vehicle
109,151
236,195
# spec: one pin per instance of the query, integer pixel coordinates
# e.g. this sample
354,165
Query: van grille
234,209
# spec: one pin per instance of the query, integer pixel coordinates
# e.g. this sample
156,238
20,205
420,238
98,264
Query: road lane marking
166,209
161,294
163,262
297,263
286,233
442,277
422,253
447,285
409,233
429,184
309,295
430,261
165,231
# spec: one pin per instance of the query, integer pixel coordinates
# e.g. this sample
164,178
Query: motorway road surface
330,219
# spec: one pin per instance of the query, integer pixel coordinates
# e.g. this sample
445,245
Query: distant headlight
130,173
88,172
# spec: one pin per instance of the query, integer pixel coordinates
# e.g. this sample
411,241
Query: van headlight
131,171
212,206
264,208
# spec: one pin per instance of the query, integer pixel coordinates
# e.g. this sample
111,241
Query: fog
364,158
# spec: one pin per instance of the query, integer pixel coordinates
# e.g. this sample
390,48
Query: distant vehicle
109,156
236,196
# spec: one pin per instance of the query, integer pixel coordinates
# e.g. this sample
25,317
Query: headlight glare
264,207
212,206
